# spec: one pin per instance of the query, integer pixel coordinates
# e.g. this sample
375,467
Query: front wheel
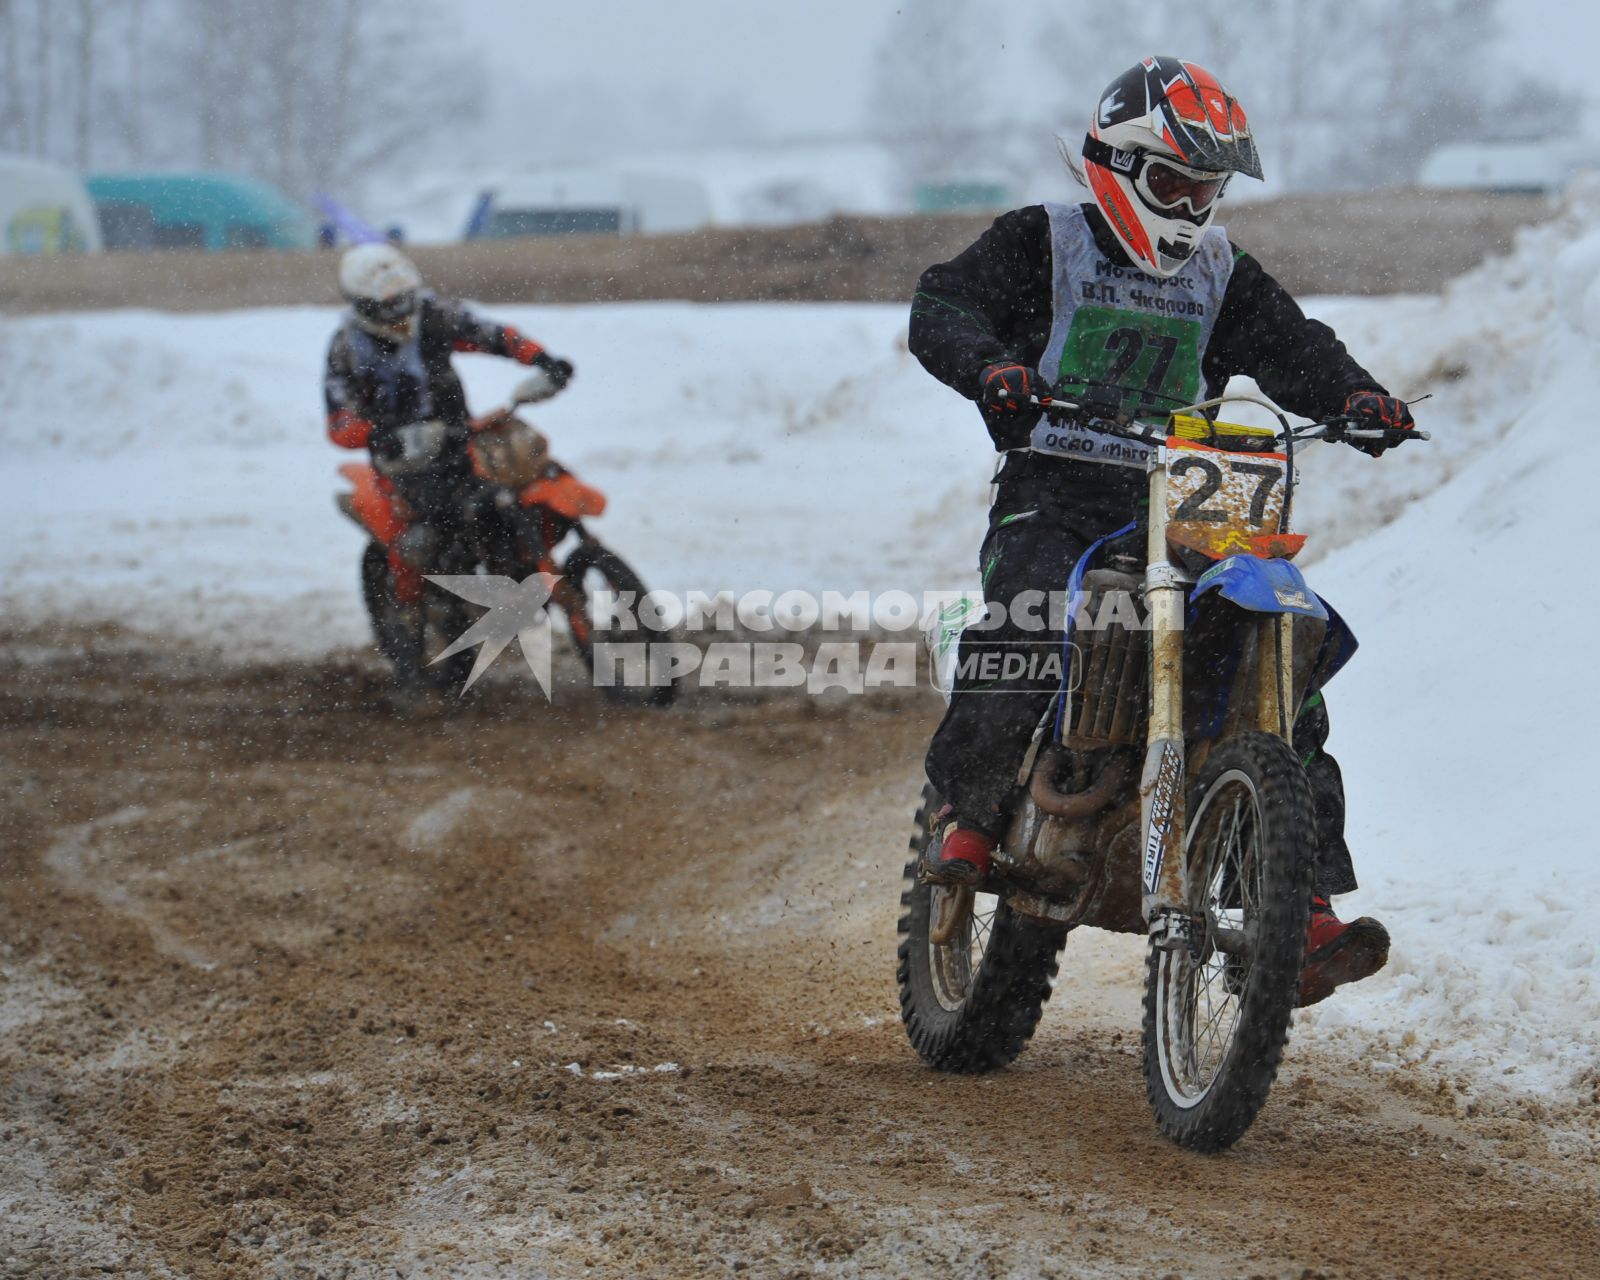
406,634
1217,1011
592,567
973,973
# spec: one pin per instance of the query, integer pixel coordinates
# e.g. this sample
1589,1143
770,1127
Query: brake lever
1050,405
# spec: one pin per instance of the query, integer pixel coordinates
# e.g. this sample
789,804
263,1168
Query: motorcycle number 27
1216,502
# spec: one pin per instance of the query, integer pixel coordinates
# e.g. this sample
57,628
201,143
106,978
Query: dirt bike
1160,794
517,512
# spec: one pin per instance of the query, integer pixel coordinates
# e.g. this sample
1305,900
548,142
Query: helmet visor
387,310
1167,185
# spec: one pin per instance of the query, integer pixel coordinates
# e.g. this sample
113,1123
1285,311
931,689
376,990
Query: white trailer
592,202
44,209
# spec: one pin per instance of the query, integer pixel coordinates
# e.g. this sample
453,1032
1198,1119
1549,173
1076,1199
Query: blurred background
140,125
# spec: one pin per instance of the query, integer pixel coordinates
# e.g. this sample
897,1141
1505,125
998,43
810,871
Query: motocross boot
956,854
1337,953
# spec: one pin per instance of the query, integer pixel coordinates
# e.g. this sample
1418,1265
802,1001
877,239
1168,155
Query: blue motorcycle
1162,796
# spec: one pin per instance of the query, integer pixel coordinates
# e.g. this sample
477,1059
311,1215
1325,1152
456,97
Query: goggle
388,310
1167,184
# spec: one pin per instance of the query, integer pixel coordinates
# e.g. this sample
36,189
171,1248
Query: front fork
1165,898
1161,784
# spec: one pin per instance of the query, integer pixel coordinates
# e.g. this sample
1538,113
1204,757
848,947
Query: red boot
956,855
1337,953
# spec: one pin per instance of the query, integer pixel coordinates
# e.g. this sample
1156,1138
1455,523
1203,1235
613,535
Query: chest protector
1117,327
393,378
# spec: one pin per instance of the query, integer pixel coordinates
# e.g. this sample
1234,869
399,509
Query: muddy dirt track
291,987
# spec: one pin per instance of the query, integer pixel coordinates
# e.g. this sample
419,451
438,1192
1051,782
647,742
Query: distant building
44,209
1509,168
580,202
205,210
962,195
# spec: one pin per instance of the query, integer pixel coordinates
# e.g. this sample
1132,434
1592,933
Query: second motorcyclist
390,388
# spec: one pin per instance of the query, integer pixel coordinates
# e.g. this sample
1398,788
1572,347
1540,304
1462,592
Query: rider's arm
1262,333
470,332
347,428
991,302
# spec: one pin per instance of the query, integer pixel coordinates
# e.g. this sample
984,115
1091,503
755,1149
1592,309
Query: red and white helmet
1161,147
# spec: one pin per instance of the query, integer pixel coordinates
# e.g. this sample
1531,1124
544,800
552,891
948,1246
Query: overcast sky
803,68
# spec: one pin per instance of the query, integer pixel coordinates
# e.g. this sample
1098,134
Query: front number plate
1217,502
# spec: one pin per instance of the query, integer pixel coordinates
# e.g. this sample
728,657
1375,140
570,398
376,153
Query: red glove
1007,388
1377,409
347,430
1382,409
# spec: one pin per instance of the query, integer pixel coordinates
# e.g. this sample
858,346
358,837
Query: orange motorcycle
516,512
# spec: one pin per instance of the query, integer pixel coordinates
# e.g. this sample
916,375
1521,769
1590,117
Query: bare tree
134,113
927,101
12,116
1341,95
308,94
83,74
41,109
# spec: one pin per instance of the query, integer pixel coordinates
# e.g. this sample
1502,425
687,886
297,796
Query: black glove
1377,409
560,371
1005,389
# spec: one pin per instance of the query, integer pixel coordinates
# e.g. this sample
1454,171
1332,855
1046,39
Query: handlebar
1087,416
1343,428
1347,427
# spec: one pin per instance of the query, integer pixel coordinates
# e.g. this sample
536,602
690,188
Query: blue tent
197,211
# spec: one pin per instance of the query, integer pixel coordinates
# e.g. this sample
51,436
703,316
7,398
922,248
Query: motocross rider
390,388
1134,290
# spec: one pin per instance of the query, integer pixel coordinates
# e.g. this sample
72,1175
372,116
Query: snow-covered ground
170,472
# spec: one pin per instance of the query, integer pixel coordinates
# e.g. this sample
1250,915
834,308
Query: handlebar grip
1383,435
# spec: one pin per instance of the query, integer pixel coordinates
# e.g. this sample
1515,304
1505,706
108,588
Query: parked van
44,209
198,211
587,202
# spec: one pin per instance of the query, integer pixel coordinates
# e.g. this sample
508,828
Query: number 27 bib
1119,328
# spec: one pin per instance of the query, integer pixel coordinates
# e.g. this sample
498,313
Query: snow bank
170,471
1465,726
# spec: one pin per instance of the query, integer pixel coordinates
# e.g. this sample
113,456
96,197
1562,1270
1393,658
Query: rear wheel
1217,1011
973,974
591,568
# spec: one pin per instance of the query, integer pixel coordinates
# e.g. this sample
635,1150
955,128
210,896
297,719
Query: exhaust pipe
1074,804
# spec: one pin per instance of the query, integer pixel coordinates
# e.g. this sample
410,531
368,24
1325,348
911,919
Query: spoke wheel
961,922
590,568
973,974
1217,1012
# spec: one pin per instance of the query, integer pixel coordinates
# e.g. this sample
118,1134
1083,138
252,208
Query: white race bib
1072,440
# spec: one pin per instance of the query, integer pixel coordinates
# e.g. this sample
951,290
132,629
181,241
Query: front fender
371,503
1262,586
1276,586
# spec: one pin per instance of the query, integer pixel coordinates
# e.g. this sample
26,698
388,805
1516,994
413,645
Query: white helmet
380,283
